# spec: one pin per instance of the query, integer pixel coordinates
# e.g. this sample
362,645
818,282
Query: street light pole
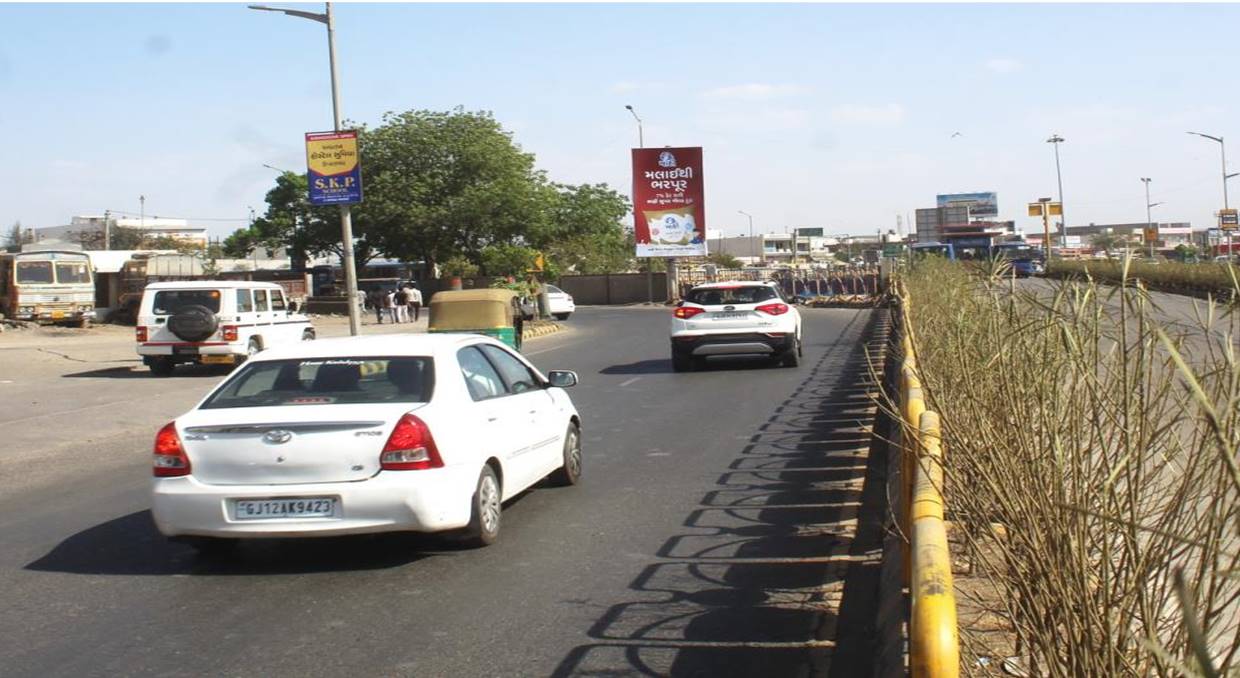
1063,221
641,141
1148,221
752,252
1223,152
346,216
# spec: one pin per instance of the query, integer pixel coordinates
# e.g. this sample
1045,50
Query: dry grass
1109,458
1217,279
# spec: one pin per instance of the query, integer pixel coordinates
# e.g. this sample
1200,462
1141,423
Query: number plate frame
729,315
283,508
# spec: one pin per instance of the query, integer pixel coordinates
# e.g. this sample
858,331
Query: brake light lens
170,459
411,447
773,309
686,312
139,333
230,333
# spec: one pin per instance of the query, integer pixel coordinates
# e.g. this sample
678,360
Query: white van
214,322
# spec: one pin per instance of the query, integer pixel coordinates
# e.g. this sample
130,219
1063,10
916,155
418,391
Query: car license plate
730,315
57,315
292,507
217,360
185,350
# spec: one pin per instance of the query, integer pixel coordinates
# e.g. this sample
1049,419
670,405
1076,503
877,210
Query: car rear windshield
327,381
168,302
746,294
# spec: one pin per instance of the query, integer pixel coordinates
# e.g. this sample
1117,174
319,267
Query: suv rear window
168,302
327,381
747,294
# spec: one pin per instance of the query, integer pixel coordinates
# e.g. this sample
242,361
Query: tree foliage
582,232
292,222
16,237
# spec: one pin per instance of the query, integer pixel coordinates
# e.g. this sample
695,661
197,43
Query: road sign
1151,234
1035,209
1053,209
335,172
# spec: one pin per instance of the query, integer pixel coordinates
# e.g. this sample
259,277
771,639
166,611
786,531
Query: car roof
439,343
733,284
210,285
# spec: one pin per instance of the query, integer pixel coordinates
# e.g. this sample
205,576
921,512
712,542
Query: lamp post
641,141
752,249
1063,221
1149,222
1223,151
346,217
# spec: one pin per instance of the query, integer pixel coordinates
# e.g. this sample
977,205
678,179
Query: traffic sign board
1228,219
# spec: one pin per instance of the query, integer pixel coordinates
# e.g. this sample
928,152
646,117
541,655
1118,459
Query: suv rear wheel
681,362
161,366
792,355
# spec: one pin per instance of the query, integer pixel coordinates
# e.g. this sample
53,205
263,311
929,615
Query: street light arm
313,16
1212,138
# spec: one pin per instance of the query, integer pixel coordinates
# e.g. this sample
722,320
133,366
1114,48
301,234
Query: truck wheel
161,366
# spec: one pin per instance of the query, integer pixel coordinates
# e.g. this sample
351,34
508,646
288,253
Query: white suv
214,322
734,319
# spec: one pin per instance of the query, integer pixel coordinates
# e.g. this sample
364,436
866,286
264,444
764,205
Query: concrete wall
614,288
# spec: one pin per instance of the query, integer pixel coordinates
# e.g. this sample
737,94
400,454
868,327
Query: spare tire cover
193,323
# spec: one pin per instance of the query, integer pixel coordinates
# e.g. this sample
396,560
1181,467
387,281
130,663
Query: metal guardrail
934,646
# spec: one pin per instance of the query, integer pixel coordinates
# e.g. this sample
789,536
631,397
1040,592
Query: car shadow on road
130,545
664,366
139,372
776,571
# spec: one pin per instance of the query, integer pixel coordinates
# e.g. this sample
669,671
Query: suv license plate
730,315
296,507
217,360
185,350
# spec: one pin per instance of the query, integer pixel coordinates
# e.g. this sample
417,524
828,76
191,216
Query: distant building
1169,234
180,229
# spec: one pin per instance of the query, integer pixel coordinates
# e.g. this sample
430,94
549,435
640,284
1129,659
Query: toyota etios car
391,433
719,320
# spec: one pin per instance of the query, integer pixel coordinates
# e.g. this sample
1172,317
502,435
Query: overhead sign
334,168
669,214
1228,219
1053,209
979,204
1151,234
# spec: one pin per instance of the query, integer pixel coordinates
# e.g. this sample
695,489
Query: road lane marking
628,381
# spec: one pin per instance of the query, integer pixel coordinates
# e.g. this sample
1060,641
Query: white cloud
754,91
857,114
1004,66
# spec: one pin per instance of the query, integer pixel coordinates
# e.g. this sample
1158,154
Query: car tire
681,362
485,510
792,356
162,367
570,472
562,316
193,323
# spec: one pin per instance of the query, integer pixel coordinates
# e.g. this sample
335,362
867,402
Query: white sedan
560,303
418,433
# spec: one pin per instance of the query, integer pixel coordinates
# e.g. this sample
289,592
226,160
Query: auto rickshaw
493,312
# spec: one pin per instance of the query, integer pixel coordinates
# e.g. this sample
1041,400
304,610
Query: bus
945,250
47,286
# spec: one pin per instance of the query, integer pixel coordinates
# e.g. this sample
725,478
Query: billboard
669,215
979,204
334,170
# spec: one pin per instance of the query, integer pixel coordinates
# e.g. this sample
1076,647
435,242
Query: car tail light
170,457
686,312
139,333
230,333
410,447
773,309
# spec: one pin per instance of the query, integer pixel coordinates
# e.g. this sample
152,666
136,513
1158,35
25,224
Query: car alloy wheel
570,472
484,523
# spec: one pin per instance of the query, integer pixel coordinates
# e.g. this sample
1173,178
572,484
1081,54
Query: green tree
446,184
506,259
582,232
240,243
292,222
16,237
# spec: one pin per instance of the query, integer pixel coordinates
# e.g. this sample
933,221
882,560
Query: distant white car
214,322
719,320
560,303
401,432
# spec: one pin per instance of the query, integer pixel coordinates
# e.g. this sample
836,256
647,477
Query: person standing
375,298
389,303
415,300
402,305
360,300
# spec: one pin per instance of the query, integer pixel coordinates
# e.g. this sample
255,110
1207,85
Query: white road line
628,381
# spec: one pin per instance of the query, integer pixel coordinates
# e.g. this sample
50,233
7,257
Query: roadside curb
538,329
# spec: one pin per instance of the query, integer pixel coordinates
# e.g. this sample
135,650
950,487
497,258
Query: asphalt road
727,524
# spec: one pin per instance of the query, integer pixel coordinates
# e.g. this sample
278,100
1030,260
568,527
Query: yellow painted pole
934,643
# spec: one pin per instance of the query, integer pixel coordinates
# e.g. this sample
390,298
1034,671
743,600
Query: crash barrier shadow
933,641
775,571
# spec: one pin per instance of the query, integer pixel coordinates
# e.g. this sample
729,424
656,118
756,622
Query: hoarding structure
669,212
334,169
979,204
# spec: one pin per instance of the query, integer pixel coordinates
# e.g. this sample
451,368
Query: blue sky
838,116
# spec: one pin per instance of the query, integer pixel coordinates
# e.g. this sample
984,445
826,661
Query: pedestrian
376,302
360,299
402,305
415,300
389,303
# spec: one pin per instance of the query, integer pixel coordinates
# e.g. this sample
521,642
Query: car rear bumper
189,351
747,343
392,501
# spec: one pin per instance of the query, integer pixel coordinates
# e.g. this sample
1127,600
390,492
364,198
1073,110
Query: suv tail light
139,333
410,447
773,309
230,333
686,312
170,457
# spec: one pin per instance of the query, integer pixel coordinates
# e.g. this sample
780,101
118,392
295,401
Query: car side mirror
562,378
